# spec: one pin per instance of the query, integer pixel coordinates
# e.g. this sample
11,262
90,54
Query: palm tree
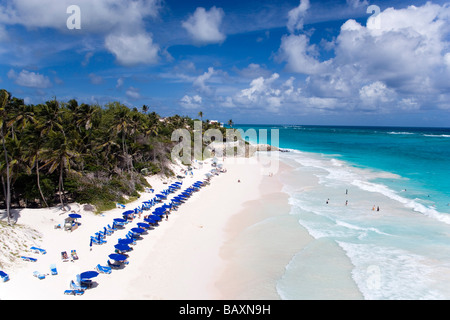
50,115
230,123
21,115
85,116
123,125
6,166
33,156
59,156
200,114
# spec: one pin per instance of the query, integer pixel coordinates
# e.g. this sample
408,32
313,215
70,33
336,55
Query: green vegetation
59,152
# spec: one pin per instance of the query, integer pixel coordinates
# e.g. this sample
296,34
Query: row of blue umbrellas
123,244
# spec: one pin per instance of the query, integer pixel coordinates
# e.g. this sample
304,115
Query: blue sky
279,62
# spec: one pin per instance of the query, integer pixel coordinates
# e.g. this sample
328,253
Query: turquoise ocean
382,199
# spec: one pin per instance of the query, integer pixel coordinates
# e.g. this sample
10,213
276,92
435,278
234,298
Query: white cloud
203,26
132,49
401,62
254,70
87,58
296,15
95,79
119,83
357,3
447,59
226,102
3,34
29,79
121,22
200,81
96,16
267,93
191,102
300,55
403,52
376,95
133,93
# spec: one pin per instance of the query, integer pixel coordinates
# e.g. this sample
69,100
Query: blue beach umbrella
152,219
88,275
117,257
137,230
120,220
122,247
125,241
74,215
127,213
143,225
155,217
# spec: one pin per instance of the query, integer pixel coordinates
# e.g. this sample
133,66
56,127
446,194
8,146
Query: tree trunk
8,182
38,182
60,187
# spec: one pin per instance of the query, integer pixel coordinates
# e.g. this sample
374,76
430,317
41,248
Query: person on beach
373,208
378,208
346,202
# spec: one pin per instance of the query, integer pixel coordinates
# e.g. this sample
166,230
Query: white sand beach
182,258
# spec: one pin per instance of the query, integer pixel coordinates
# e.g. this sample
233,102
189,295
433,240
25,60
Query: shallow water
401,251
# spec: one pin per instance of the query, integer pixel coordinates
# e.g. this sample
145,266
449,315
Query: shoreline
253,259
265,239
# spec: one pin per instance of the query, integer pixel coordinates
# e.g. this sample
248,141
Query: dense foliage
59,152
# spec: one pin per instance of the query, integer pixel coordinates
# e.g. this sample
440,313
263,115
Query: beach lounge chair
100,235
64,256
39,275
38,250
74,292
76,286
103,269
108,231
133,235
53,269
74,254
96,240
4,276
28,259
84,283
